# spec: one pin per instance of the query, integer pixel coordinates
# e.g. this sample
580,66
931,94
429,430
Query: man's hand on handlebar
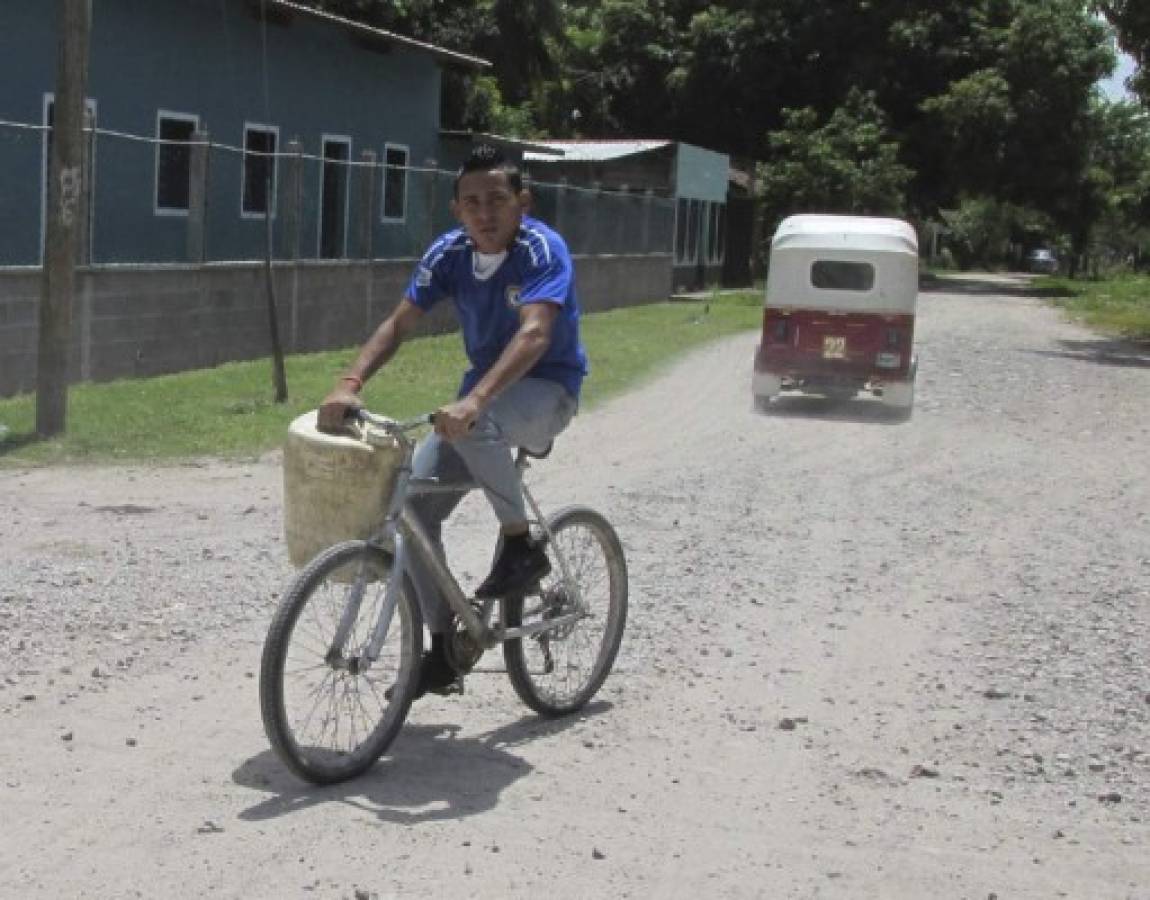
335,408
454,420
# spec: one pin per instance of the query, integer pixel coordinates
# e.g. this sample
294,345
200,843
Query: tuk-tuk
839,312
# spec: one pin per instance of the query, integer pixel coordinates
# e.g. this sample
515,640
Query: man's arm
375,353
524,351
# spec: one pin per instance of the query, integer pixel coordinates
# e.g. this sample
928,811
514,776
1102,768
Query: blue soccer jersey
537,269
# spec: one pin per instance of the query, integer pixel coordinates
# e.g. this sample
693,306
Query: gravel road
866,658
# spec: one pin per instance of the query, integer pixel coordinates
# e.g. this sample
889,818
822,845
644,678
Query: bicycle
340,662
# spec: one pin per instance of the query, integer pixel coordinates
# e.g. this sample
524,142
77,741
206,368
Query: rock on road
865,658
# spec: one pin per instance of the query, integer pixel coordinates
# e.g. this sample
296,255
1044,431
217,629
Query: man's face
489,209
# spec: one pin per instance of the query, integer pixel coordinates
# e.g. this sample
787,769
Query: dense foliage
1131,21
884,105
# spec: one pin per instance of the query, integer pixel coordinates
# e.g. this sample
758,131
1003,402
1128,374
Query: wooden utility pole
279,373
61,237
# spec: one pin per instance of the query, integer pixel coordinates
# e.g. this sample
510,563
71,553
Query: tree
1017,127
976,98
849,164
1131,21
1115,190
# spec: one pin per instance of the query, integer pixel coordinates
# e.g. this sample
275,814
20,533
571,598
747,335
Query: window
333,204
174,162
259,170
721,232
694,221
833,275
394,206
681,212
715,233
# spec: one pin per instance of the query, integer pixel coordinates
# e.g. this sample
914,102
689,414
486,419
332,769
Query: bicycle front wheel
558,671
328,711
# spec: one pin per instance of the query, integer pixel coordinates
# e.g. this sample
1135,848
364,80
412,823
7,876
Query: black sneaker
436,676
520,565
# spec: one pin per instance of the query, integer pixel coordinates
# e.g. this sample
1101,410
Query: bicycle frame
403,531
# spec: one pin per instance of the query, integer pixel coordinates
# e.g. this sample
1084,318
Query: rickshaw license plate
834,347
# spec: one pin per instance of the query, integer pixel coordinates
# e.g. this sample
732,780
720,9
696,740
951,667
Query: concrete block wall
137,321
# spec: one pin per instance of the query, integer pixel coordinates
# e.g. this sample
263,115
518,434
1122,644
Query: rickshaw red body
839,316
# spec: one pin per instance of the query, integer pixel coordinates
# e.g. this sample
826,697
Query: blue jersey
537,269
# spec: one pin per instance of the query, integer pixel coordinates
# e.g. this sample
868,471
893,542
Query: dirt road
865,659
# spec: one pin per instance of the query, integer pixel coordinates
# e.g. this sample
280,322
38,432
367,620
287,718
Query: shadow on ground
430,775
859,410
976,284
1104,352
10,442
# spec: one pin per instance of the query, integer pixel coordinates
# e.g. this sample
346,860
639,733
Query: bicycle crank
463,651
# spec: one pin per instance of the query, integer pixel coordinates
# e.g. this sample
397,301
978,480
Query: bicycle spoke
329,722
560,668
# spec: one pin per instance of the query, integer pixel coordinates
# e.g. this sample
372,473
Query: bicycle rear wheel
329,715
558,671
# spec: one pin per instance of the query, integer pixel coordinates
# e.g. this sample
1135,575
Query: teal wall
701,174
206,58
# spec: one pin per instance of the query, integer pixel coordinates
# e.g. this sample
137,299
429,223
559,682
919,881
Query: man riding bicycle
513,286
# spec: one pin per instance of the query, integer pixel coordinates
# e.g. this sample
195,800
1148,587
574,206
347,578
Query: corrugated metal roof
593,151
389,36
483,136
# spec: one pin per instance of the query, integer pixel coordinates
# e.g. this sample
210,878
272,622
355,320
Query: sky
1113,87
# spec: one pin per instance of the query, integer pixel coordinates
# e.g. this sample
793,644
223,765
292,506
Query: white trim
324,140
161,114
45,136
264,129
383,217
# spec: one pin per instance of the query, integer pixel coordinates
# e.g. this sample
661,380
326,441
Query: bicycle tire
300,635
595,557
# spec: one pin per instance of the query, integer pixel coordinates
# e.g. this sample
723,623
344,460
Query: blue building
252,75
693,178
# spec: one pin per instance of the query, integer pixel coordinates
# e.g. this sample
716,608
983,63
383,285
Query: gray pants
528,414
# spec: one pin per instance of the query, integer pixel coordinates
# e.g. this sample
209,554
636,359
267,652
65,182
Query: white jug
336,487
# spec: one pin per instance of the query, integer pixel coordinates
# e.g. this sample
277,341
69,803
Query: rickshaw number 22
834,347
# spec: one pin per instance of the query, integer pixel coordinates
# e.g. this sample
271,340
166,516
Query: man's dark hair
489,158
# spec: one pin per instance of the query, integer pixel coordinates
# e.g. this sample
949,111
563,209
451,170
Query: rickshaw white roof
846,232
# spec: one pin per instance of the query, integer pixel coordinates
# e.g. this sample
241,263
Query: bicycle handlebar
391,426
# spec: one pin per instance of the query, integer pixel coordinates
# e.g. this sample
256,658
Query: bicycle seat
528,452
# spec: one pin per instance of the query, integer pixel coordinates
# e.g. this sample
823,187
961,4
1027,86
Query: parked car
1042,260
839,311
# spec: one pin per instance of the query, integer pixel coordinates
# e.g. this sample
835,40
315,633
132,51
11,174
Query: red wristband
358,381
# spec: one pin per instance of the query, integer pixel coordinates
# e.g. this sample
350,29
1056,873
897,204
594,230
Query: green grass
1117,306
228,411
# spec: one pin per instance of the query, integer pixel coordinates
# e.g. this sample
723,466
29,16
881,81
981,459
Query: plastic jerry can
336,486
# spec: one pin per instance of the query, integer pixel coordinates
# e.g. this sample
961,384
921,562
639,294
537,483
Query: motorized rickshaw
839,313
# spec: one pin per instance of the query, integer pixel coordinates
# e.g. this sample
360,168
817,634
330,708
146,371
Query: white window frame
171,116
383,217
323,141
45,163
264,129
